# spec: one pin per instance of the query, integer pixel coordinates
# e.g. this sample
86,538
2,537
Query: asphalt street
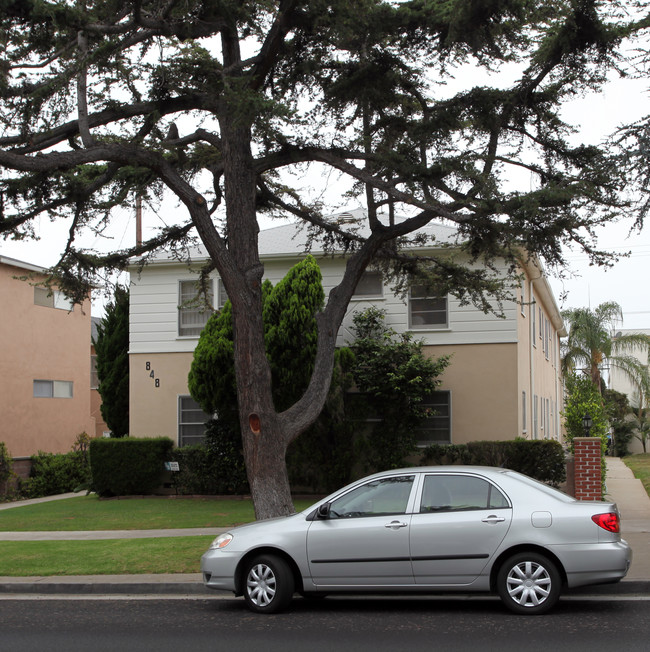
341,624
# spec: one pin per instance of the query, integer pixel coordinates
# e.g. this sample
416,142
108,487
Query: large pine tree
425,108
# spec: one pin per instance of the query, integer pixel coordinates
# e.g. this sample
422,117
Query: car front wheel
269,584
529,583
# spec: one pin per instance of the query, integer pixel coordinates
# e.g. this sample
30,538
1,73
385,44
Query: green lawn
92,513
116,556
640,465
106,557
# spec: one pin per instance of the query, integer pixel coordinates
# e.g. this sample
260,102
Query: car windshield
555,493
378,497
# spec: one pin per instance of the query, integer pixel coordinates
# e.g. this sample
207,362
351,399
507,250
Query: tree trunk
264,451
264,441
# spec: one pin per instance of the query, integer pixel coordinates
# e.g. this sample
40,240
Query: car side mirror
324,510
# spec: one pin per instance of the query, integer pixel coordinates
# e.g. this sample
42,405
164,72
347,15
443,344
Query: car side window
379,497
452,493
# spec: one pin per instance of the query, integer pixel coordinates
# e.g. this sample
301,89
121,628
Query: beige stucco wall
482,379
156,381
41,343
538,369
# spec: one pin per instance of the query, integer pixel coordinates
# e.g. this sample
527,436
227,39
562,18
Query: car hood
255,525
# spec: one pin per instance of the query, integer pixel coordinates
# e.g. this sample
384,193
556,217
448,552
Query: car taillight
609,521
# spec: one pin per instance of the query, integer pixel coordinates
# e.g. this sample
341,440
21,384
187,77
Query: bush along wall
128,466
543,460
55,473
6,471
214,467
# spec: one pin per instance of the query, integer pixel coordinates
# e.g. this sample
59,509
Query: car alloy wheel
269,584
529,583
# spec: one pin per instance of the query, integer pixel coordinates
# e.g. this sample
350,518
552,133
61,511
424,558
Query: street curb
625,587
105,588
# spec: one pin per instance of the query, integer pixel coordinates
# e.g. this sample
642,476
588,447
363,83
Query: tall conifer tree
112,349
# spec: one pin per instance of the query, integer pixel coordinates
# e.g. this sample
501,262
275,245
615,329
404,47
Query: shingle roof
291,239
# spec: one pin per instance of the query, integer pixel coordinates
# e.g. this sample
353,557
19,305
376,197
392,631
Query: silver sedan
426,529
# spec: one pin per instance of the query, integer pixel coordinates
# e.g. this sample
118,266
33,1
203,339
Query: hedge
543,459
128,466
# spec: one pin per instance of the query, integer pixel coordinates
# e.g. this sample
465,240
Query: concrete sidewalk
622,488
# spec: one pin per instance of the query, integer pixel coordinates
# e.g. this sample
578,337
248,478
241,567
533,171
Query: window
370,285
94,379
194,309
524,412
53,389
376,498
535,416
52,299
458,493
435,428
547,336
425,309
223,295
533,323
191,421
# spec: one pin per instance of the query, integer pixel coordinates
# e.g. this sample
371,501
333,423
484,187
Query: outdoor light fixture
587,422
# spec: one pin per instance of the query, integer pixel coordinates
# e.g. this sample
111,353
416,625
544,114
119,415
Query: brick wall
587,468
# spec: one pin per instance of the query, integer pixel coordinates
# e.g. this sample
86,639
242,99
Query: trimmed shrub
128,466
543,459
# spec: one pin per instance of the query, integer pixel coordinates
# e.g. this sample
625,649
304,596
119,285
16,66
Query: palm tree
591,345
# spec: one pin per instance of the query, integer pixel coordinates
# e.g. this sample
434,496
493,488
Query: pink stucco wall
41,343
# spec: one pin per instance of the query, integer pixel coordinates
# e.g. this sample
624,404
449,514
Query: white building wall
154,310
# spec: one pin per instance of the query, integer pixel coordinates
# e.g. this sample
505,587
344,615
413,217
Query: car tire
268,584
529,583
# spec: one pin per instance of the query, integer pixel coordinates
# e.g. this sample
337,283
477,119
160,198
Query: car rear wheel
529,583
269,584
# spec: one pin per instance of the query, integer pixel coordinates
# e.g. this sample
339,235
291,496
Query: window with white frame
533,323
222,295
53,389
51,299
191,421
524,416
370,286
436,427
426,310
194,308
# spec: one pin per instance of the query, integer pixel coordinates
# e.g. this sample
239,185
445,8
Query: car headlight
221,541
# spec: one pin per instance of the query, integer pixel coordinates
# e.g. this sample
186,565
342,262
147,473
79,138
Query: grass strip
149,513
640,465
103,557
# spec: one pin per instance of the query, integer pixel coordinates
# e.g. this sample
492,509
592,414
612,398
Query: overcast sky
622,101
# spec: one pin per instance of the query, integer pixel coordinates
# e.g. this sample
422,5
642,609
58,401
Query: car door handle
395,525
493,519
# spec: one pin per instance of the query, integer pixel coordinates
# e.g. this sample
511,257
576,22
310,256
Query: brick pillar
588,477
